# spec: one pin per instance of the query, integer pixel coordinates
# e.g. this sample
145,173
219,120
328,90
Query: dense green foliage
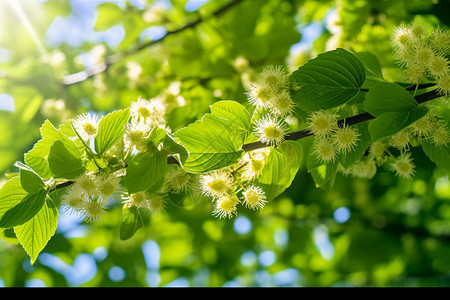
358,201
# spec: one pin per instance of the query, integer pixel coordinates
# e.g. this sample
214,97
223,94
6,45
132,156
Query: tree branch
296,135
111,60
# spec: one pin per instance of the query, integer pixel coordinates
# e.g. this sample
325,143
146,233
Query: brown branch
113,59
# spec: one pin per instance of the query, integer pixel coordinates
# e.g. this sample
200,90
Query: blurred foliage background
59,58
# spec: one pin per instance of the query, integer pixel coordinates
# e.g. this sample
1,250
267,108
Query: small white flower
151,112
86,183
324,150
274,77
345,138
321,123
377,149
93,211
401,140
281,104
178,180
254,197
216,183
403,165
107,185
86,125
364,169
140,109
443,85
259,95
270,131
73,200
156,203
438,66
440,135
135,135
138,199
254,164
226,206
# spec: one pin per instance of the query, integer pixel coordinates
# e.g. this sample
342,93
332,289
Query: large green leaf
35,233
146,171
29,179
389,123
388,97
329,80
17,206
111,128
280,168
215,141
36,158
63,162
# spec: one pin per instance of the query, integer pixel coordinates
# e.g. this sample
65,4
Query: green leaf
280,168
146,171
36,158
215,141
234,112
329,80
35,233
132,221
437,154
389,123
111,128
156,137
63,162
177,150
108,15
388,97
30,180
17,206
372,65
324,175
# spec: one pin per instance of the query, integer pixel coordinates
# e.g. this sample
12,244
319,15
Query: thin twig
113,59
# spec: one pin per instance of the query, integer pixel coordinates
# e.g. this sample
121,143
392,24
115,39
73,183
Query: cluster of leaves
334,80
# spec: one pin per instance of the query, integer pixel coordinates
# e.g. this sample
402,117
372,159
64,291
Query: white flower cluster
330,139
424,53
223,188
90,194
270,94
